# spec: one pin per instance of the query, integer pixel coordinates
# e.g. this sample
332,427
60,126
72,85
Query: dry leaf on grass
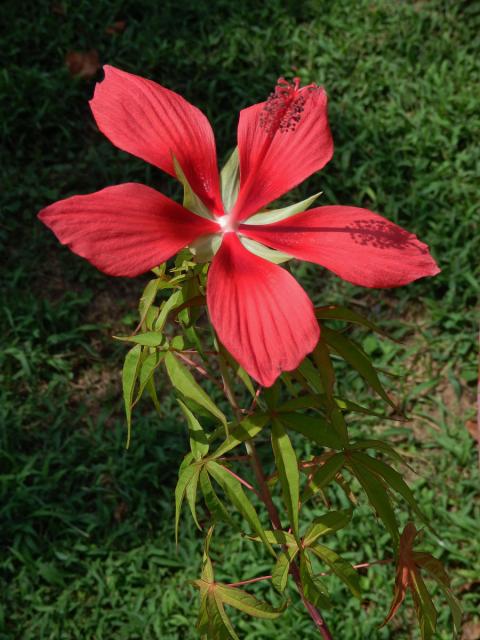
82,64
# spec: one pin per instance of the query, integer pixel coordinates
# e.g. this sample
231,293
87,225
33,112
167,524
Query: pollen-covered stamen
284,107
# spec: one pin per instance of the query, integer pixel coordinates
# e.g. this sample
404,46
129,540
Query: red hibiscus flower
259,311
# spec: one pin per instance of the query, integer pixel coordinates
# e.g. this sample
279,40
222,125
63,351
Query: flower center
284,107
227,224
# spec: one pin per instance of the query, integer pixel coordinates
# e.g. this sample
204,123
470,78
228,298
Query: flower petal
275,159
356,244
151,122
124,230
261,314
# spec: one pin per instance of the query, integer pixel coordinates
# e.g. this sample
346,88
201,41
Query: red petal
261,314
356,244
124,230
274,161
151,122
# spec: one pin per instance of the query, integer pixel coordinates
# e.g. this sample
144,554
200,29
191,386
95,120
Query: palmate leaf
191,494
314,589
147,370
356,357
340,567
315,428
130,371
247,603
148,298
347,315
391,477
281,568
213,502
377,496
324,475
186,475
379,445
198,438
236,495
147,339
408,577
175,300
332,521
245,430
188,387
288,473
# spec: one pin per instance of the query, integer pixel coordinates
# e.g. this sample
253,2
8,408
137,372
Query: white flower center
227,224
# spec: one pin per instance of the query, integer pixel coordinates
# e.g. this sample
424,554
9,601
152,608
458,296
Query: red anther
284,106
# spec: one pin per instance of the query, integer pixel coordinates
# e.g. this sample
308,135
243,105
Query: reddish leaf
82,64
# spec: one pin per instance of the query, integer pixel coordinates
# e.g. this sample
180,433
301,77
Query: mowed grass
86,527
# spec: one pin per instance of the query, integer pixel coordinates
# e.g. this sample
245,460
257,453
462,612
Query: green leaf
247,429
148,366
324,475
322,359
316,429
377,496
275,215
347,315
147,339
184,477
424,607
282,567
340,567
237,497
313,588
213,502
191,494
332,521
289,476
175,300
311,375
190,199
354,355
185,383
230,181
379,445
309,401
198,437
247,603
219,625
130,371
148,297
391,477
278,536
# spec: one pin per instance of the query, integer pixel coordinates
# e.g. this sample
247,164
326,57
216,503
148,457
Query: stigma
284,106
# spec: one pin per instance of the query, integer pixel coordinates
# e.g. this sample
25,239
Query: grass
87,539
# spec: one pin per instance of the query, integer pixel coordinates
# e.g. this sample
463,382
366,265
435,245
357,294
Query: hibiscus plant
249,357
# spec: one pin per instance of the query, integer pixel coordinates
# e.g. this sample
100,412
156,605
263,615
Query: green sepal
275,215
230,181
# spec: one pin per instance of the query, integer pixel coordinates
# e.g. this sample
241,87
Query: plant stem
266,497
275,520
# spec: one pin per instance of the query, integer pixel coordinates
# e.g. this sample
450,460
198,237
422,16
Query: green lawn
87,546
